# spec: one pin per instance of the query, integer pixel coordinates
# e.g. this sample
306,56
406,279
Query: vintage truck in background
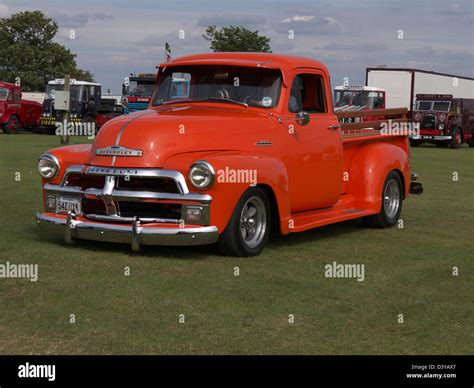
443,120
254,147
16,113
137,91
84,101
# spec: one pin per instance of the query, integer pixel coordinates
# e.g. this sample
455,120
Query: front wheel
392,197
12,126
249,227
456,139
415,143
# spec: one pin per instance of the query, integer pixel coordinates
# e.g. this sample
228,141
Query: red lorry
16,113
443,120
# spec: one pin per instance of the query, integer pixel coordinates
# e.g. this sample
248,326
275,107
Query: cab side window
307,94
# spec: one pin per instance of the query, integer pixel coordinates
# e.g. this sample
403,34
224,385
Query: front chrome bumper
432,137
136,234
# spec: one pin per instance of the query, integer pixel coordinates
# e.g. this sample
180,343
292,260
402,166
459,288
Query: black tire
13,125
456,139
232,241
390,209
471,142
414,143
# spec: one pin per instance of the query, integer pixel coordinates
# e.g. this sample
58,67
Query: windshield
243,85
76,91
439,106
140,88
3,94
364,98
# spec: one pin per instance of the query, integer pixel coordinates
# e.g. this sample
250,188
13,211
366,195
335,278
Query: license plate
427,137
66,204
142,99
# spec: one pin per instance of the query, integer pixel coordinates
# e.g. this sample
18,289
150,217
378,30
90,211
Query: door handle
334,126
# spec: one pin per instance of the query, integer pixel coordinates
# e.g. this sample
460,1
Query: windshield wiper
217,99
177,101
226,100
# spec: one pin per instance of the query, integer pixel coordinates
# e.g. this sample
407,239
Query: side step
315,218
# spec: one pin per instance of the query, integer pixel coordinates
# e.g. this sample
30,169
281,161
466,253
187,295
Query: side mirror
302,118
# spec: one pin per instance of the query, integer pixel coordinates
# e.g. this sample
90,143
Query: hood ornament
117,150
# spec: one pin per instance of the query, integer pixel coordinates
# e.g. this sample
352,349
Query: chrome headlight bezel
202,168
48,161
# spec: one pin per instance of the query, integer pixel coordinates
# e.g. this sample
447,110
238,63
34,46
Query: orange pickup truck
252,146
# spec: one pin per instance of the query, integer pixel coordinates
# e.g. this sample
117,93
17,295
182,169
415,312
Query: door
314,147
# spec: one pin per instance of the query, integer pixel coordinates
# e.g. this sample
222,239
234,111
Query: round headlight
48,166
441,127
201,175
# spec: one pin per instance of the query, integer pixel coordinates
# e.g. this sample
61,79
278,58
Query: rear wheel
392,197
471,142
456,138
249,227
415,143
13,125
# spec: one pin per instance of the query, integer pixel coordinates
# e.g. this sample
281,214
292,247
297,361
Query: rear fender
369,168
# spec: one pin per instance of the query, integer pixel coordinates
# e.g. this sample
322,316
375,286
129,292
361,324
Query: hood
166,131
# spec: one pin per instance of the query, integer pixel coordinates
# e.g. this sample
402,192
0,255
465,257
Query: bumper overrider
136,231
415,187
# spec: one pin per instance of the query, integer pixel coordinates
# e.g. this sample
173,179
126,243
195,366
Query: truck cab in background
16,113
137,91
443,120
85,98
358,98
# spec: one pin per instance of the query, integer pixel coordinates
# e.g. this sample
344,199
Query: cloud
355,46
79,19
455,9
249,21
310,24
4,11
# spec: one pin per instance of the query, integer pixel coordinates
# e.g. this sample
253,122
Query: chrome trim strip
138,172
70,228
120,219
124,195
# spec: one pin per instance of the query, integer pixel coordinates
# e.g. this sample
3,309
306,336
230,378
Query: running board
315,218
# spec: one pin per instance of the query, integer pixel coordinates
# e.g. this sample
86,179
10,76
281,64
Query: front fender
228,188
369,168
67,156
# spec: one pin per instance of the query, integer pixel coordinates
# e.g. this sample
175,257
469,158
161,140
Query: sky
113,38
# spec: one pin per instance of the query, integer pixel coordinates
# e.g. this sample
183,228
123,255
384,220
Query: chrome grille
122,194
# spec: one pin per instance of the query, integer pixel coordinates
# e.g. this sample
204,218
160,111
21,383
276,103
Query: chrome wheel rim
253,222
391,198
458,137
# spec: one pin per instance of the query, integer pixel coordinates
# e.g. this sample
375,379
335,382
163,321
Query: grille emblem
116,150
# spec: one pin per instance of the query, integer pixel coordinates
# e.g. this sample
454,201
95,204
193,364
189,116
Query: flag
168,52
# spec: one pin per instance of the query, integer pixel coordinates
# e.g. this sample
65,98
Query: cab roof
60,81
266,60
8,85
357,87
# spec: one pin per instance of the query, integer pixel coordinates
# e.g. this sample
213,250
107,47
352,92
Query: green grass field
407,271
